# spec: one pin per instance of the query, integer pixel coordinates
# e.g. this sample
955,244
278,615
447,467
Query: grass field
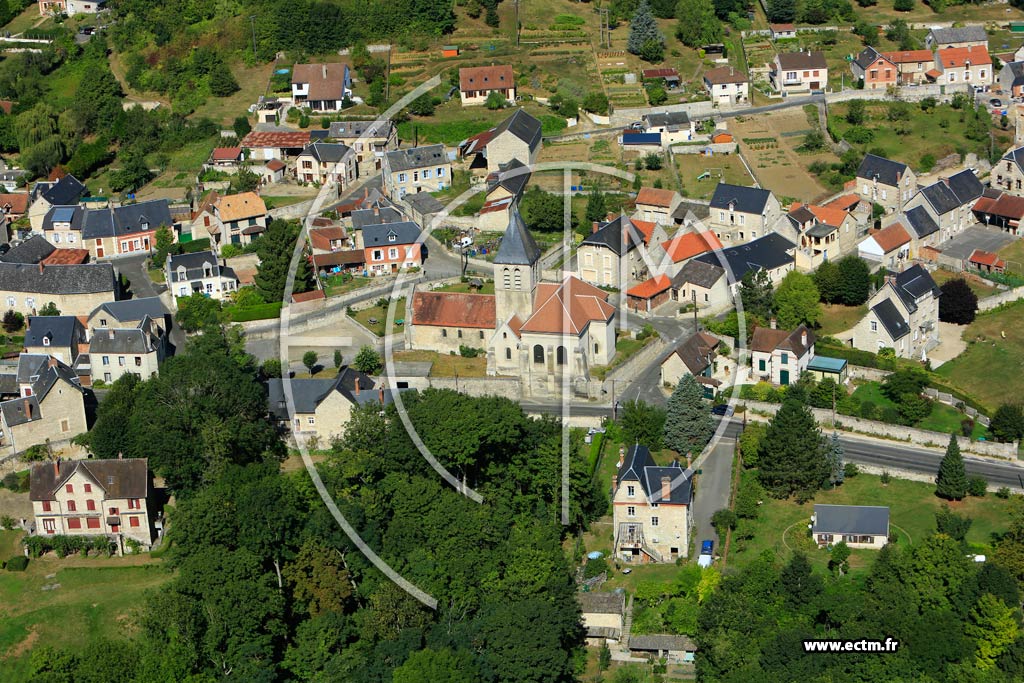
97,598
943,418
446,365
452,123
464,288
938,132
982,290
912,507
253,81
837,318
1013,254
625,348
726,168
336,284
375,318
990,368
24,21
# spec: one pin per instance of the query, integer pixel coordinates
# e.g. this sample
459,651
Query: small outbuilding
821,367
659,645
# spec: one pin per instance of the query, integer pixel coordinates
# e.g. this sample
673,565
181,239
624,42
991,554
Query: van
464,242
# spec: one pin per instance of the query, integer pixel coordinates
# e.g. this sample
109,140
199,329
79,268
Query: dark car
996,102
722,409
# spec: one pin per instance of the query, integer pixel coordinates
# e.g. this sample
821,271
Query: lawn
912,508
340,284
727,168
452,123
625,348
446,366
979,287
943,418
375,318
24,21
1013,254
938,132
464,288
836,318
253,81
990,368
97,599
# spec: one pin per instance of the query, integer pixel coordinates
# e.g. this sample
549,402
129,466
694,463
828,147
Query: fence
918,437
951,400
997,300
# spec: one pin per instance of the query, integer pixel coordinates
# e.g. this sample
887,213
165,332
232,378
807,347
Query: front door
784,377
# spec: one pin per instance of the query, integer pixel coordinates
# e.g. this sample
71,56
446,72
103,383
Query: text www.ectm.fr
862,645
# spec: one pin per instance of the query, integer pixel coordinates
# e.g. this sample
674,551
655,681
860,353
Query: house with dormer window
61,336
199,273
391,247
231,219
107,231
651,508
47,404
902,315
418,169
780,356
93,498
887,183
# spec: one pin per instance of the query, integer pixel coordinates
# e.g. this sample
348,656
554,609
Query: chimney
594,227
323,68
40,268
689,460
56,467
28,409
380,394
803,339
773,323
357,385
53,362
615,481
376,209
666,488
622,457
120,455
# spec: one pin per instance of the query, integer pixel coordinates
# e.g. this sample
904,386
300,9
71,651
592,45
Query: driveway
134,269
712,492
976,237
951,344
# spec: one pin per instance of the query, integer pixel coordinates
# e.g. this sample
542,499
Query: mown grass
837,318
446,365
375,318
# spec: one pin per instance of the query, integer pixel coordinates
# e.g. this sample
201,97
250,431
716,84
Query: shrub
8,523
977,486
13,321
468,351
594,568
885,478
850,470
967,426
890,415
1003,492
18,563
868,410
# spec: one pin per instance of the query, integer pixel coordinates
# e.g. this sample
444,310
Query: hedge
852,356
195,245
18,563
258,312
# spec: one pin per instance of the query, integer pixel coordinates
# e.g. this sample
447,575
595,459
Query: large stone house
824,233
391,247
704,286
48,404
66,191
949,202
798,72
954,65
231,219
1008,174
60,336
322,407
888,183
780,356
740,214
517,137
902,315
368,139
76,289
912,65
476,83
200,273
963,36
613,254
418,169
93,498
326,162
657,206
651,516
117,351
321,87
772,253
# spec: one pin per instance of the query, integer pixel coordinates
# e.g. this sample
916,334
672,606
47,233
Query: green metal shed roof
826,364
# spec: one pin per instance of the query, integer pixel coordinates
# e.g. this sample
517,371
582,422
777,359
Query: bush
850,470
18,563
13,321
967,426
594,568
1003,492
890,415
885,478
977,486
468,351
868,410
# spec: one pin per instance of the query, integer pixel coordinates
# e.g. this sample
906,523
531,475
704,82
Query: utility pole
252,22
387,81
518,25
606,32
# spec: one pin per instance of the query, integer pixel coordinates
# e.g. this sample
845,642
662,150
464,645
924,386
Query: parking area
976,237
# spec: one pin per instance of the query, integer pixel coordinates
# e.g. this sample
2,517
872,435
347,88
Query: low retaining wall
632,367
715,147
866,373
918,437
951,400
997,300
506,387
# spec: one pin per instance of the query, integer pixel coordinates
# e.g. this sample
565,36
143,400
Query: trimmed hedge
195,245
258,312
18,563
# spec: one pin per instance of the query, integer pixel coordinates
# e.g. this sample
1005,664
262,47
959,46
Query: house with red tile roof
889,246
971,65
224,156
321,87
986,262
649,294
911,65
267,145
824,233
656,205
685,246
476,83
1001,209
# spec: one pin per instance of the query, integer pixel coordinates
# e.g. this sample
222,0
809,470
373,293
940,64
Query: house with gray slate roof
651,503
612,255
1008,174
75,289
200,273
858,526
320,408
418,169
741,214
887,183
61,336
948,202
323,162
107,231
50,405
517,137
703,285
118,351
902,315
391,247
66,191
368,139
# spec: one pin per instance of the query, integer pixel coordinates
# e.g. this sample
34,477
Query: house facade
447,321
726,86
325,162
902,315
93,498
912,65
651,509
971,65
476,83
889,246
76,289
368,139
391,247
950,201
963,36
612,255
888,183
780,356
697,356
321,408
798,72
231,219
117,351
321,87
740,214
518,137
49,405
657,206
1008,174
418,169
858,526
874,69
200,273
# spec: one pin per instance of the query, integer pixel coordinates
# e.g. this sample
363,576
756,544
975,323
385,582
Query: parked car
707,547
723,409
996,103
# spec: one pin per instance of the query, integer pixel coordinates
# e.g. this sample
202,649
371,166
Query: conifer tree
643,28
688,425
792,454
951,482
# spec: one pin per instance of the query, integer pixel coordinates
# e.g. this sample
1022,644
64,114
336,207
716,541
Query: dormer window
392,237
46,340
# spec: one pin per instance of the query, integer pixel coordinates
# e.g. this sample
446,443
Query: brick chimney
803,339
615,481
56,467
357,385
41,268
594,227
689,460
376,209
666,488
380,395
323,68
52,362
622,456
28,408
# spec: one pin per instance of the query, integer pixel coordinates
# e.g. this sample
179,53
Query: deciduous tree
958,303
797,301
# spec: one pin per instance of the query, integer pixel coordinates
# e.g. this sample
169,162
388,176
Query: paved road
712,491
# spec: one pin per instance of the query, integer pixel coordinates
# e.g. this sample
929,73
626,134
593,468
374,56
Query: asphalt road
712,490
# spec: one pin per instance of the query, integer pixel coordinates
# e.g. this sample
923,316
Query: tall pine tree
643,28
951,482
792,454
688,425
836,461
